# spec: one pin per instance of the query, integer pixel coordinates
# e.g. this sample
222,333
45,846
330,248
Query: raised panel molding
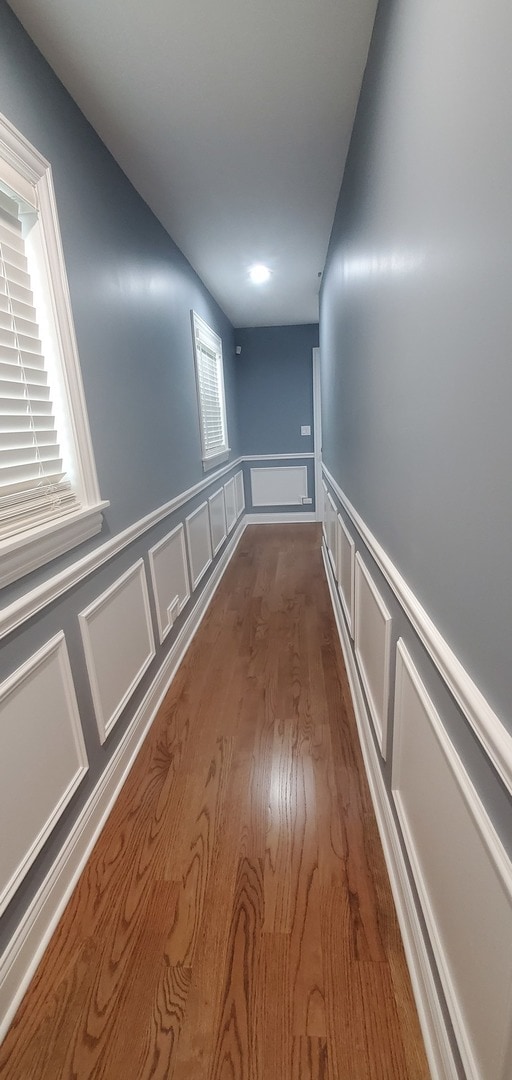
372,648
487,725
24,607
285,485
463,876
230,501
239,493
118,643
43,758
20,959
199,543
431,1009
217,512
331,532
325,512
169,576
345,576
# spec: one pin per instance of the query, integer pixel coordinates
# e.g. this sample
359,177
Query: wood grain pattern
235,920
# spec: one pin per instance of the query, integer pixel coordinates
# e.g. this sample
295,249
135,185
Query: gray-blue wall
131,294
416,321
274,383
275,388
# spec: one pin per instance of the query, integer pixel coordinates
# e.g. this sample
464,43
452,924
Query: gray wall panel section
131,292
275,388
416,321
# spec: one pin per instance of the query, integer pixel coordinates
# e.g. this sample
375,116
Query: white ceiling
231,118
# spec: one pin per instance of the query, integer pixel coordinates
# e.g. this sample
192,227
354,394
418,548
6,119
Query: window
210,393
49,496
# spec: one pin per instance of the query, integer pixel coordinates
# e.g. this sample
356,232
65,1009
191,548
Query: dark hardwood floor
235,920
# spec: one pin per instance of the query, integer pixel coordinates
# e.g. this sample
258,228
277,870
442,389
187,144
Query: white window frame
204,335
28,174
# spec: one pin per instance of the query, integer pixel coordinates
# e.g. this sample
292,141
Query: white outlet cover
305,429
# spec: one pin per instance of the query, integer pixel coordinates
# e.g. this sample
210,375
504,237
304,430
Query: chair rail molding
486,724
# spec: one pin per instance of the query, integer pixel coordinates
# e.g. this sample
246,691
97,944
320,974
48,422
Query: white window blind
210,391
33,484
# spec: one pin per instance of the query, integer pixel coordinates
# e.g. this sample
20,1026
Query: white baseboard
278,518
25,950
437,1042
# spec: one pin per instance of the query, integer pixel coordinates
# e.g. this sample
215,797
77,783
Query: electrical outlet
305,429
306,501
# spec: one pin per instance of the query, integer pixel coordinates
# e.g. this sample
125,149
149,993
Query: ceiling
231,118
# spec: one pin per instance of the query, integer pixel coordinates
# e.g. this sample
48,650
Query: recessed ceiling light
259,274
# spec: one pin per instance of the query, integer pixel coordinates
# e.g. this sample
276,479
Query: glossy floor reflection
235,920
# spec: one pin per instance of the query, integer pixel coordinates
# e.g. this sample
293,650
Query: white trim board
437,1041
125,638
346,550
278,519
42,737
487,725
277,457
22,956
462,874
174,574
280,485
34,601
372,647
199,543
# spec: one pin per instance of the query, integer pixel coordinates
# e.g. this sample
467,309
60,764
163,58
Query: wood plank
235,920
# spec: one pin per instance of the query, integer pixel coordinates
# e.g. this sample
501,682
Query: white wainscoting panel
217,511
463,877
345,566
325,511
284,485
230,501
118,644
199,542
43,758
372,648
169,575
239,493
332,545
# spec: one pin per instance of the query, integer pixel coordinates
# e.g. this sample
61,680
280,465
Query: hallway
235,921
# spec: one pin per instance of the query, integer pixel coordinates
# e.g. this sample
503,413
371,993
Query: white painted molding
278,519
345,575
230,503
374,669
199,544
278,457
462,873
24,952
39,710
487,725
118,643
217,511
239,493
173,581
29,174
330,516
430,1010
16,613
283,485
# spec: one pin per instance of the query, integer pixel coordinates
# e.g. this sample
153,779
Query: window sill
27,551
211,463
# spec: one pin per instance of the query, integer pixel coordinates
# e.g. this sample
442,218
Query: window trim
30,174
212,341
